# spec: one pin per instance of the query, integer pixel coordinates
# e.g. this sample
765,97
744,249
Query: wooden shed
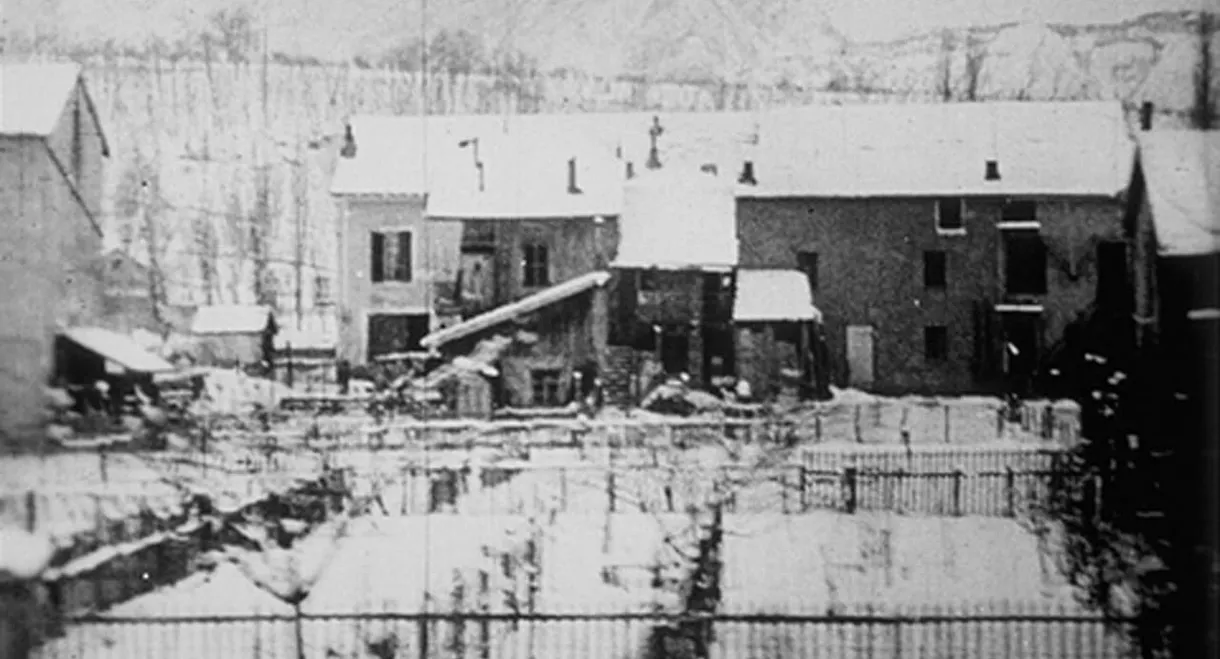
234,335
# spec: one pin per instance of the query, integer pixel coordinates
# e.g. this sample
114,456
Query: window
391,257
648,280
1020,211
478,237
935,342
934,269
544,384
321,290
1024,262
807,262
394,333
535,266
949,216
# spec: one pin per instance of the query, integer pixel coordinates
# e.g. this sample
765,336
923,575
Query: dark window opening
544,386
648,280
394,333
934,269
949,214
535,265
936,342
807,262
1112,283
391,257
1022,344
1020,211
1024,263
478,237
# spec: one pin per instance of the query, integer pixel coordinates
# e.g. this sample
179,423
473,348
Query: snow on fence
953,482
1007,631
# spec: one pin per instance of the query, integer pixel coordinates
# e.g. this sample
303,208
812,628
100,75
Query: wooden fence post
817,426
423,637
849,486
1010,486
948,434
610,489
31,510
958,475
804,482
856,425
563,489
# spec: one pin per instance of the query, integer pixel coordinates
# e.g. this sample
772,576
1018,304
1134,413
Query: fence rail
1011,635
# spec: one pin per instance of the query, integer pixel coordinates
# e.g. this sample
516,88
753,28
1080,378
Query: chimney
572,189
747,174
993,171
1146,115
709,168
349,143
630,170
479,166
654,156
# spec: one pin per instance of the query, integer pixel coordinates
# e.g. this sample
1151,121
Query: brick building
948,245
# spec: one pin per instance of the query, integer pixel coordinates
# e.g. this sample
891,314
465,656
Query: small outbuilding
778,335
234,335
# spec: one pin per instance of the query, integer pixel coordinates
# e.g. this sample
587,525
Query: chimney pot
630,170
710,168
1146,115
993,170
747,174
572,188
349,142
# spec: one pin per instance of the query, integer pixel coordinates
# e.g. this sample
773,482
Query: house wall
229,349
567,339
435,247
871,273
49,272
677,301
575,246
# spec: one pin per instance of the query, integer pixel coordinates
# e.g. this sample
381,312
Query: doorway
675,350
1022,345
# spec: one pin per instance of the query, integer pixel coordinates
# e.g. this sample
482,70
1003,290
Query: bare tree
974,66
232,32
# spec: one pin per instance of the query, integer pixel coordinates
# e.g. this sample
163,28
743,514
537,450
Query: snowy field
789,565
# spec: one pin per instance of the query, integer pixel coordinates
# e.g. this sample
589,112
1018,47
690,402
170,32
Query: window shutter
377,266
404,257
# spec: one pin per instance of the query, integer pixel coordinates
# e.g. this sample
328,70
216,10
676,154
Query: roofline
934,195
510,218
97,121
378,195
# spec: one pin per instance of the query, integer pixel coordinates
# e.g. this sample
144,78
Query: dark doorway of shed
393,333
675,350
1022,349
717,353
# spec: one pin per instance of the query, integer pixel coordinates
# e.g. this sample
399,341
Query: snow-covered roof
305,338
33,97
389,156
120,349
507,312
678,218
230,319
773,295
1182,176
526,175
1044,149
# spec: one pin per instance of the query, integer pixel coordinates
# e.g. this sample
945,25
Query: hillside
195,129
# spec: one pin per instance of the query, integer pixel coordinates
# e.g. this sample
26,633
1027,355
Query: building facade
948,247
52,153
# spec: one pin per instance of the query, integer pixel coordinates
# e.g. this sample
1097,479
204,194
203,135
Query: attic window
950,216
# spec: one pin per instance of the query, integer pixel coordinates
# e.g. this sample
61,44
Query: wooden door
860,359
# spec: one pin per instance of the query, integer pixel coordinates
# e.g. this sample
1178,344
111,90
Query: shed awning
117,348
521,307
773,296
